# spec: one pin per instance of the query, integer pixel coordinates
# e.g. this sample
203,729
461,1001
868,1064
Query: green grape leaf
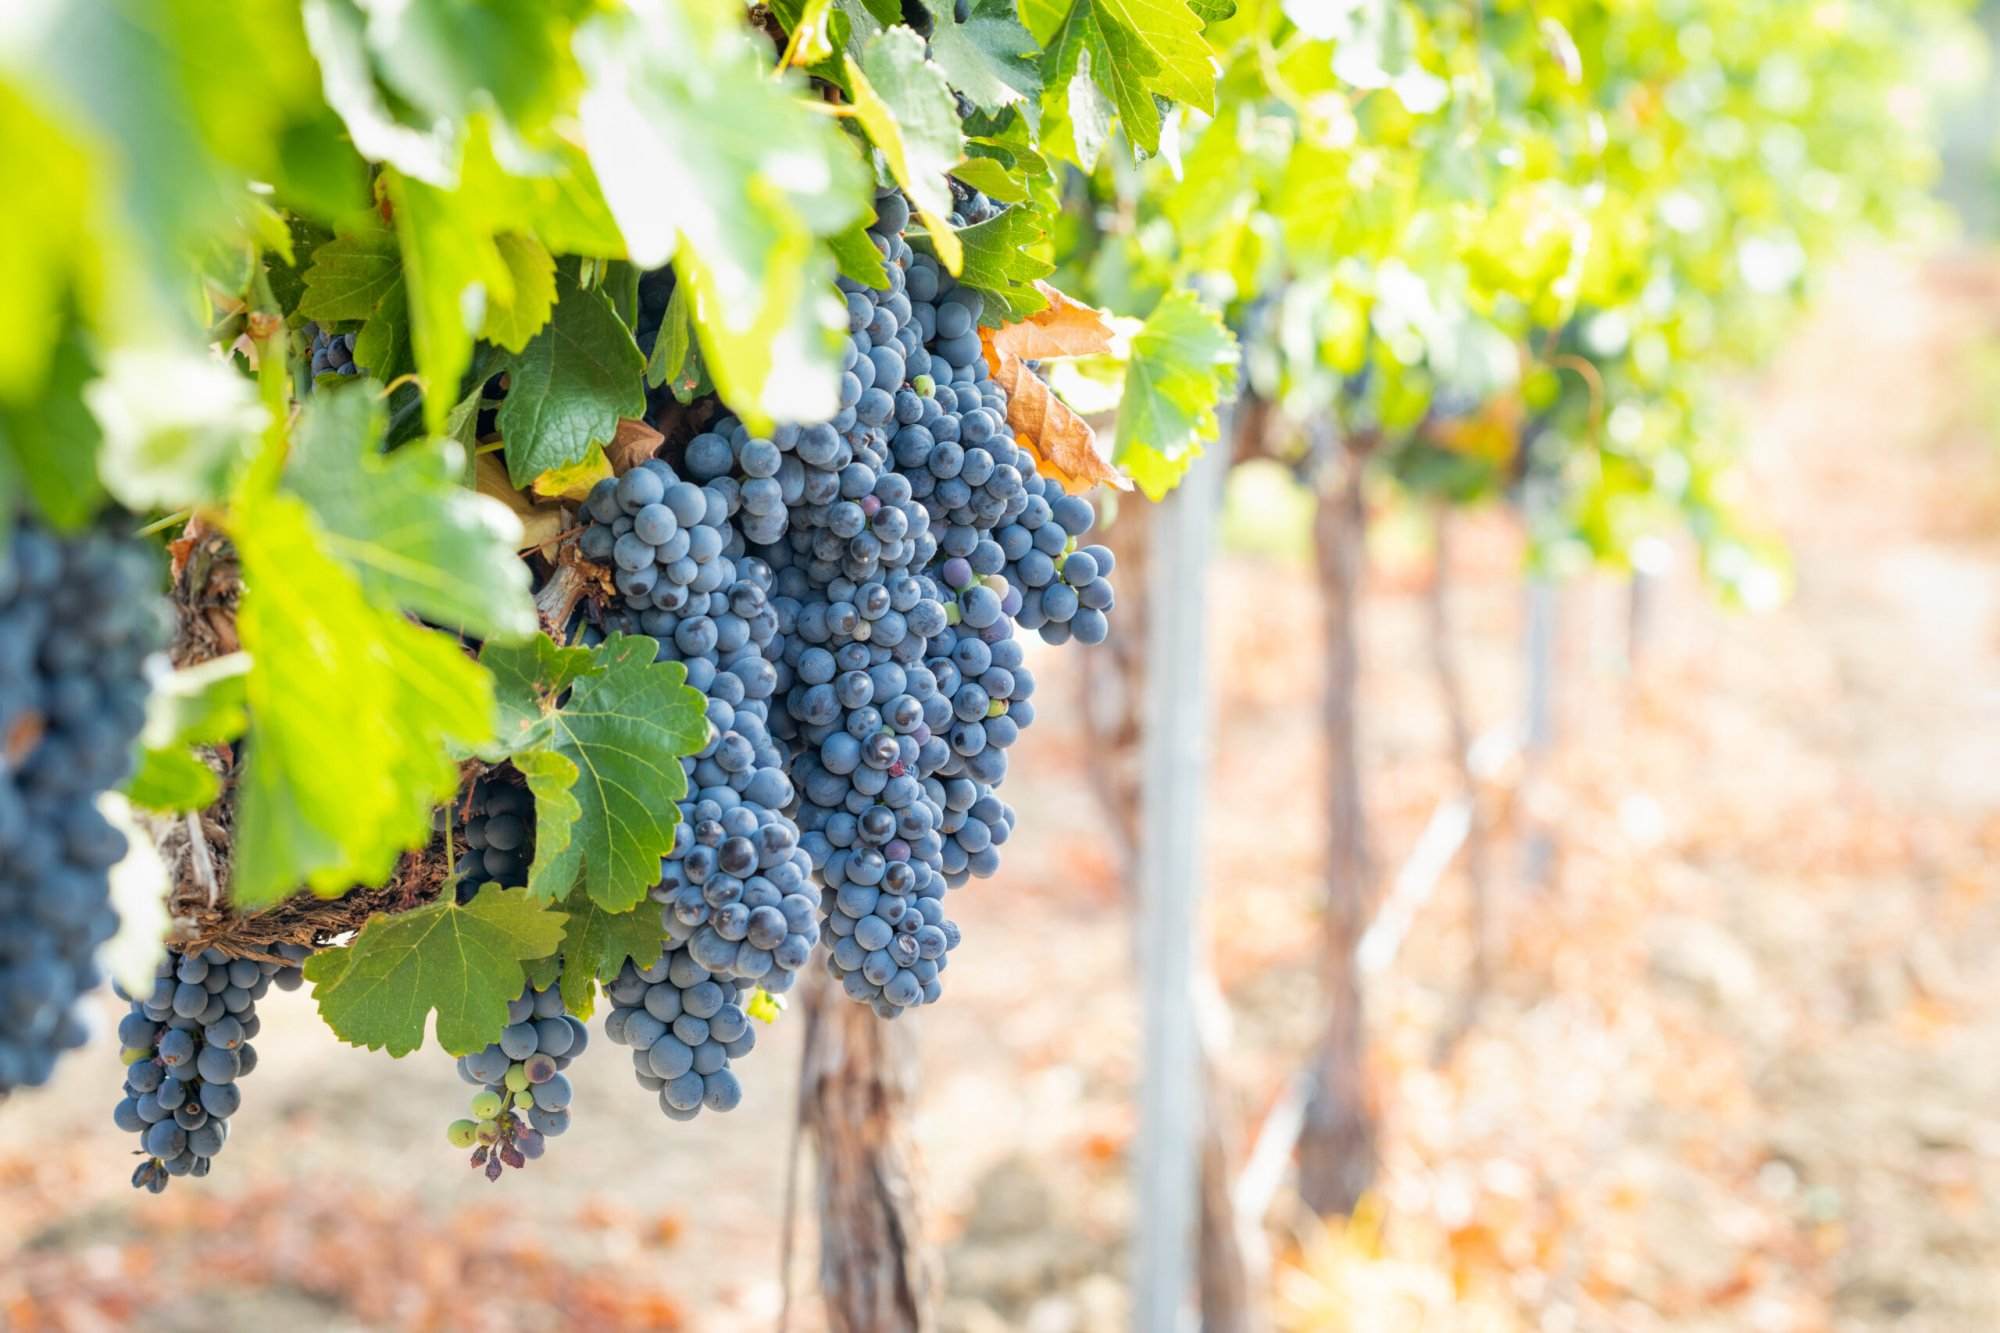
463,963
567,389
809,23
451,61
1169,33
351,274
906,106
199,705
172,780
352,708
454,272
990,176
1076,119
621,721
676,360
337,33
858,258
596,944
49,444
39,254
1182,366
999,261
358,275
701,154
990,57
403,524
1137,49
552,777
511,324
286,273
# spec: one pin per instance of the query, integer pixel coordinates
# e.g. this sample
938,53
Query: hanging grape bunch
331,353
187,1045
867,573
494,831
524,1095
72,699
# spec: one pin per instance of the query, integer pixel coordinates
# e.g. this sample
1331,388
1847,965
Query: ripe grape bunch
495,828
187,1043
867,573
332,353
684,1024
524,1095
72,699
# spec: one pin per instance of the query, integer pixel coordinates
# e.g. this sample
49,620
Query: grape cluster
970,207
664,538
78,618
496,828
332,353
684,1024
524,1095
892,550
736,890
186,1044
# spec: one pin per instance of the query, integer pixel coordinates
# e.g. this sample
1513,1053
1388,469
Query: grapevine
615,468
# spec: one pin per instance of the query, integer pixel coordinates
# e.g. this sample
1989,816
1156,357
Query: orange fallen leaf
1065,327
1062,442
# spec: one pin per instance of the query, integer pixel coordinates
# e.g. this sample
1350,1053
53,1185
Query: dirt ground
1739,1067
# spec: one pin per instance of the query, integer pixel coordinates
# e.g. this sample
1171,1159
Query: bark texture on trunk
1337,1143
1229,1296
876,1275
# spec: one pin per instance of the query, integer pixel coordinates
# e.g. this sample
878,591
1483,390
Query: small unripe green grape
995,707
523,1100
132,1055
488,1132
517,1078
463,1133
924,385
487,1104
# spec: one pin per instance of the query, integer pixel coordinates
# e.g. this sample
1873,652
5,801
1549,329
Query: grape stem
162,524
203,865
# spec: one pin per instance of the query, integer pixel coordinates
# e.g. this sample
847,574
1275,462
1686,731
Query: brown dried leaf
1064,446
541,524
634,443
1065,327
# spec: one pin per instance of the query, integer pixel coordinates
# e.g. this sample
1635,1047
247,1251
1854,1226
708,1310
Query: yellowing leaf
573,481
1064,446
541,524
1064,327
